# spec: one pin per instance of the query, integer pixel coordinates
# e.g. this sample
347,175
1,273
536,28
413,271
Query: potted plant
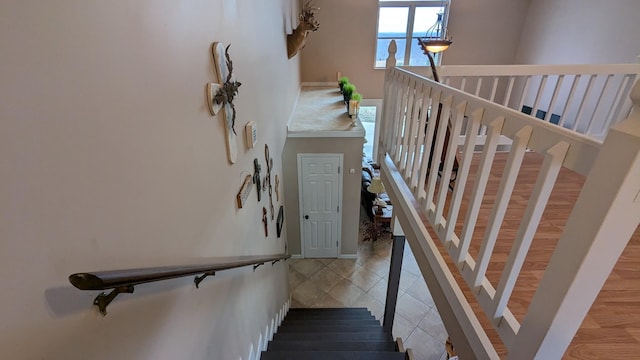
347,90
342,82
354,104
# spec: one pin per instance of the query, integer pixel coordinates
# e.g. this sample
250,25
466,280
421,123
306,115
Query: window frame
411,5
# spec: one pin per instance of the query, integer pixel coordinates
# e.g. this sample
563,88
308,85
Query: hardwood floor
611,329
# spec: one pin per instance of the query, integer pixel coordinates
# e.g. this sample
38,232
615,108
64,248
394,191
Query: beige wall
110,159
351,183
581,31
345,42
484,32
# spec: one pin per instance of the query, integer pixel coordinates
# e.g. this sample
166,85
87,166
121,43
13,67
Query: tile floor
363,283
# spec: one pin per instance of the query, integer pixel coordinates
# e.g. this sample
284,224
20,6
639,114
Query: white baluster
609,203
509,176
493,135
554,98
583,102
531,219
463,173
451,154
428,141
443,124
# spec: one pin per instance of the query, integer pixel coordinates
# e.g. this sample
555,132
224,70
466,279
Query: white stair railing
586,98
586,252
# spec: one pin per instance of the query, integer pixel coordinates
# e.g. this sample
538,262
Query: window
404,21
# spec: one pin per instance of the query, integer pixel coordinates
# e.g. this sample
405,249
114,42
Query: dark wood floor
611,330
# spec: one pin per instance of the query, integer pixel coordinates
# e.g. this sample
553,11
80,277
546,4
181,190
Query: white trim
376,133
515,70
264,338
297,256
348,256
320,84
357,133
295,106
384,3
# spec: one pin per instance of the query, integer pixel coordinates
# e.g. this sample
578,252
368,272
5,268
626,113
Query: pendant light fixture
436,39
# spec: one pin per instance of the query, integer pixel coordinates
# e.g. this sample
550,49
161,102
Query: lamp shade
436,46
376,186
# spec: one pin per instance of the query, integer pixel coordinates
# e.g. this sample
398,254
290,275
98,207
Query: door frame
376,132
340,157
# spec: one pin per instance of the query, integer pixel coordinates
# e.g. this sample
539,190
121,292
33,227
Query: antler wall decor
220,96
308,23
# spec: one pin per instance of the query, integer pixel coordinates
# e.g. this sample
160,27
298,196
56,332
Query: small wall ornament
308,23
220,96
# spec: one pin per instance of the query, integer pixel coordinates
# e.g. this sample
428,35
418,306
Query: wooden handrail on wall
124,280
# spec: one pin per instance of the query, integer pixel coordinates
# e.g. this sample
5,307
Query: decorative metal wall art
267,179
280,220
265,221
220,96
256,178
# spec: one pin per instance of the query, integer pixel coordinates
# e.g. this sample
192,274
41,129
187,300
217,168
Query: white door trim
376,133
301,203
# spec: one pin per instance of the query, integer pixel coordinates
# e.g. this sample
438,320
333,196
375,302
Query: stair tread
342,311
329,328
333,355
314,322
328,315
329,345
345,309
351,336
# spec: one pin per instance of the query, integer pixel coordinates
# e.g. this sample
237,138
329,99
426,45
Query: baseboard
330,84
270,329
341,256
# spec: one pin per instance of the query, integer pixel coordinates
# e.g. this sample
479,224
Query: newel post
391,58
605,216
386,100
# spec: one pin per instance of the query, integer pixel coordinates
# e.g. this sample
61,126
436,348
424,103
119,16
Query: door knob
306,217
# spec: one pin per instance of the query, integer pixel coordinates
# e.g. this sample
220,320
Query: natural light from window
404,21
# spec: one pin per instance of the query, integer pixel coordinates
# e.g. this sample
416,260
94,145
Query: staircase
337,334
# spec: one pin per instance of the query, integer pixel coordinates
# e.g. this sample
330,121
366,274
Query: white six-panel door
320,198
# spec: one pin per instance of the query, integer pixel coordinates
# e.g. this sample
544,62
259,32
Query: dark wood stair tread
324,345
331,355
362,336
337,310
331,333
329,328
329,315
334,322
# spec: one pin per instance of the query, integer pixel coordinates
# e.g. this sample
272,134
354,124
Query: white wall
109,159
580,32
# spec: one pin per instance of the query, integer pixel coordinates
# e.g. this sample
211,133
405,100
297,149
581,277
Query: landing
321,112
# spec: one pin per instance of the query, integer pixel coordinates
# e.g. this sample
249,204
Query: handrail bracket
257,265
198,279
103,300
